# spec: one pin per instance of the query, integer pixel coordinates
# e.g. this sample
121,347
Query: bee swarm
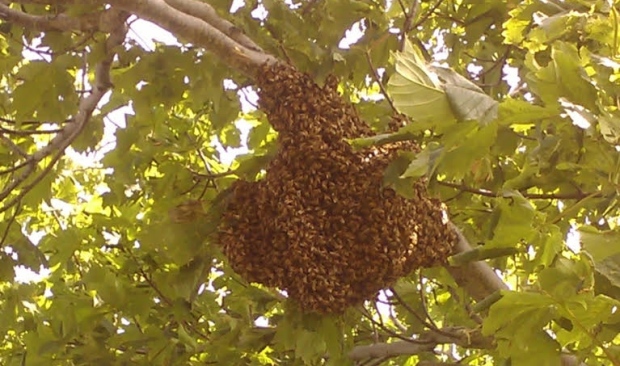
320,225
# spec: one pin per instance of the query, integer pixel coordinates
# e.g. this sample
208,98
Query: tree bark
198,31
478,278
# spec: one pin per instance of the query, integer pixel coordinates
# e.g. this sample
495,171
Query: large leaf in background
424,163
416,91
512,220
517,321
467,100
600,244
563,77
521,115
607,276
609,126
604,248
393,178
51,100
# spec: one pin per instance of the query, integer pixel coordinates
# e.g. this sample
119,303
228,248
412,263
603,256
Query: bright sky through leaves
514,105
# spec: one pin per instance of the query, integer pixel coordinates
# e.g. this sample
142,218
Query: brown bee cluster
320,225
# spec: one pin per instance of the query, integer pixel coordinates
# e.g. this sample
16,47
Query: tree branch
481,281
478,278
467,338
542,196
197,32
393,349
49,2
70,131
206,12
60,22
410,15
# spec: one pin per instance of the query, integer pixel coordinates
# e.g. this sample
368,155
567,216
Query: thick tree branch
393,349
478,278
206,12
481,281
198,32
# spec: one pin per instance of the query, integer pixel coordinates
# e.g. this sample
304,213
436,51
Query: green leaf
609,268
609,126
392,176
522,115
91,135
7,268
599,244
548,243
416,91
424,163
517,320
466,148
572,76
309,346
513,304
515,217
551,28
467,100
331,332
572,276
53,100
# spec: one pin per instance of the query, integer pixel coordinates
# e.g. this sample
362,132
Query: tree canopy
115,157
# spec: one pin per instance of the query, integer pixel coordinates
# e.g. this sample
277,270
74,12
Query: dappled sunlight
420,182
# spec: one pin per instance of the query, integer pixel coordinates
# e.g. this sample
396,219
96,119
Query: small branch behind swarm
467,338
480,281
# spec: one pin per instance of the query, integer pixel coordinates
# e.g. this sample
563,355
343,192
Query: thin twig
472,314
423,301
9,224
13,147
28,132
410,15
395,320
378,81
7,120
547,196
430,326
391,332
424,17
410,309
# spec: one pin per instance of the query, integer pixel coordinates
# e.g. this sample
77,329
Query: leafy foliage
514,103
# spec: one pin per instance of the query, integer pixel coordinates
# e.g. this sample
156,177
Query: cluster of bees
320,225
